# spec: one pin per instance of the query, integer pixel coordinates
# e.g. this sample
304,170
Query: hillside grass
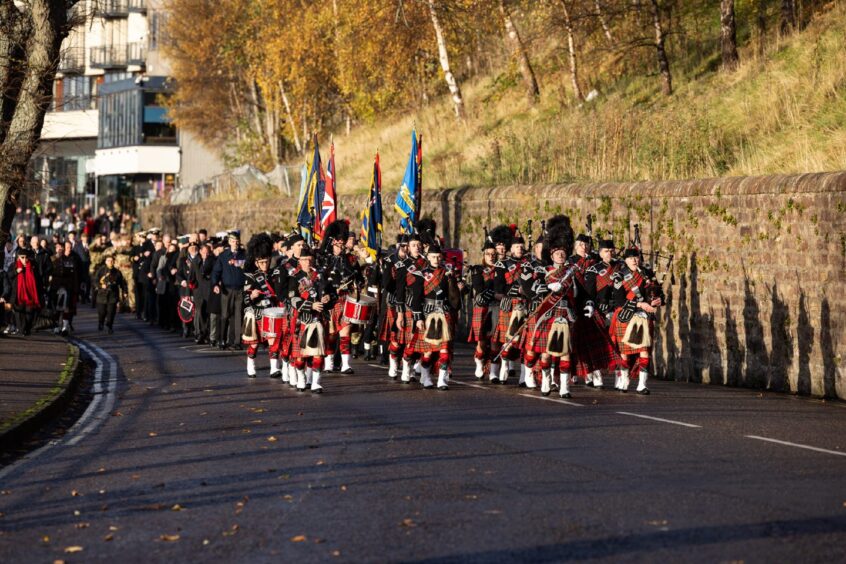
784,113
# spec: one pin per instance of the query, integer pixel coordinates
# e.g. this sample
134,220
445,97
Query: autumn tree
519,49
31,35
728,35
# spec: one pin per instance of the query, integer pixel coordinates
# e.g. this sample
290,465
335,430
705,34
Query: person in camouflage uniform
123,262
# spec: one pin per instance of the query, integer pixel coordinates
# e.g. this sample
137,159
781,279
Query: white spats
284,371
301,379
641,382
564,390
426,377
546,385
315,382
596,376
624,380
406,371
274,366
292,374
618,379
494,373
480,368
529,377
392,366
329,363
251,367
443,378
345,363
308,372
503,371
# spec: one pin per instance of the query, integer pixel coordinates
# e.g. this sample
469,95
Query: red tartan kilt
480,325
419,345
295,339
337,316
502,323
287,334
388,331
618,333
407,333
592,347
535,339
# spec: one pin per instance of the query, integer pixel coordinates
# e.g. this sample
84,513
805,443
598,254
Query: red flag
329,210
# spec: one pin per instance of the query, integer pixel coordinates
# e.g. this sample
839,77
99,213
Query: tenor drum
359,310
272,319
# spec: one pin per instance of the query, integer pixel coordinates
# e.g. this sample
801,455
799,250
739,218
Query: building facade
107,139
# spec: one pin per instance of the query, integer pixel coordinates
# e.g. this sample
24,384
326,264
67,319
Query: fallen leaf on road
320,463
58,562
177,507
408,523
205,542
204,413
101,492
135,477
74,493
343,488
470,496
101,470
319,541
257,410
72,549
113,528
336,553
287,497
246,431
272,439
5,492
657,522
154,507
151,434
76,512
256,421
109,537
169,538
117,414
298,538
82,525
45,538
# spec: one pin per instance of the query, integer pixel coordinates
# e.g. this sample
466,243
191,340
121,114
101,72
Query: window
157,22
75,94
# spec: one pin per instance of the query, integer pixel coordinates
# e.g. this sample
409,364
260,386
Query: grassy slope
785,113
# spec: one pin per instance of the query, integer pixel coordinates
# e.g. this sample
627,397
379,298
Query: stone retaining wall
756,296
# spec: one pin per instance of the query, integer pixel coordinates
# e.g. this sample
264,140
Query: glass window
76,93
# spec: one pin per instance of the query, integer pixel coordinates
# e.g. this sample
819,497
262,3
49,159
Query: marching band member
637,296
588,338
292,247
308,298
599,285
258,295
435,299
481,326
548,327
110,286
508,289
340,271
405,322
390,332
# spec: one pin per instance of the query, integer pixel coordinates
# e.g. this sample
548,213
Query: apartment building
107,137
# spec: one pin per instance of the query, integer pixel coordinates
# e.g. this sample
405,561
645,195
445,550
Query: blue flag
407,198
309,201
371,223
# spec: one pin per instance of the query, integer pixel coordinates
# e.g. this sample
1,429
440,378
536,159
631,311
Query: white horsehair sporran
518,316
436,331
558,343
249,331
311,339
637,332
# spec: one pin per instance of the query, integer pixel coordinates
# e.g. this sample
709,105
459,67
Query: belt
430,306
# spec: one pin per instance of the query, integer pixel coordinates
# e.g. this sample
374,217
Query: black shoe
565,396
100,328
521,385
317,391
644,392
544,394
251,375
224,346
429,387
301,390
589,384
500,381
276,375
237,347
370,356
383,361
443,388
111,330
348,371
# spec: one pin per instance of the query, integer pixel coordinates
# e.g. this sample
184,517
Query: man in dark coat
200,280
109,284
228,281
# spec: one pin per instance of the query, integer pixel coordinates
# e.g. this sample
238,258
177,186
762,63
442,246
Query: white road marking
71,437
797,445
556,400
471,384
691,425
378,366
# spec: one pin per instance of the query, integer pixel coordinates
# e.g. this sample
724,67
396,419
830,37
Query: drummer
342,275
259,295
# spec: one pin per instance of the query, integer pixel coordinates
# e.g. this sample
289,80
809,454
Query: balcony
109,57
72,60
112,9
136,54
138,6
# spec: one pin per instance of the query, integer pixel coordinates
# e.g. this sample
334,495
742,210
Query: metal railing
139,6
136,53
111,8
109,56
72,60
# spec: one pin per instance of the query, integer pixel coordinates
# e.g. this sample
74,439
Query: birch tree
728,35
519,49
443,57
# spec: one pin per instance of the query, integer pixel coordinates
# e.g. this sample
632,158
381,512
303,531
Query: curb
48,406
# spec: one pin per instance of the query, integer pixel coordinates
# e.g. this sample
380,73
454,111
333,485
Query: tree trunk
519,49
661,51
47,26
452,83
761,27
728,35
285,101
604,23
571,47
788,17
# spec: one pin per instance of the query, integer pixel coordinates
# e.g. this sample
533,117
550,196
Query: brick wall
757,292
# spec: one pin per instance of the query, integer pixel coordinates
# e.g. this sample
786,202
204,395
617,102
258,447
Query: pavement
37,375
180,457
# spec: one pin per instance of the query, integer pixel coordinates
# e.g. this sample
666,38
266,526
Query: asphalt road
181,457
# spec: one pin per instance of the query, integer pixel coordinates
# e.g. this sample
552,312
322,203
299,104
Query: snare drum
272,320
358,311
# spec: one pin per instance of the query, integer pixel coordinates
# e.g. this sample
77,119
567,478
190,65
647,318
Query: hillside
784,112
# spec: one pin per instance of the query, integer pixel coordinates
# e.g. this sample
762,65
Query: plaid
288,334
592,347
618,333
295,341
419,345
389,330
407,335
535,339
480,325
502,323
336,314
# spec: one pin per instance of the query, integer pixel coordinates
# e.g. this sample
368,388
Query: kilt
536,340
388,331
407,333
504,317
480,325
295,339
618,333
288,334
336,317
592,347
418,343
